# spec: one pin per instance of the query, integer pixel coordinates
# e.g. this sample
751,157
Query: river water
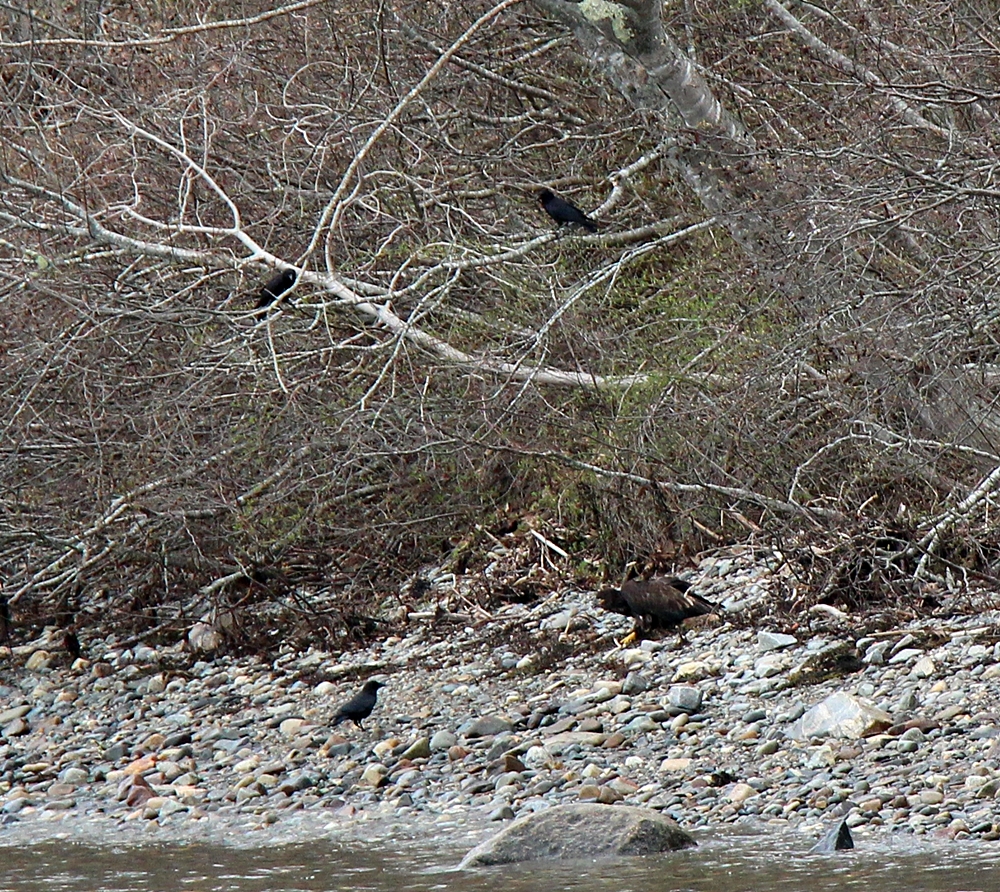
728,861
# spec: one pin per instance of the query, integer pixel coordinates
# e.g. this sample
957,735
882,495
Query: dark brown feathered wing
662,601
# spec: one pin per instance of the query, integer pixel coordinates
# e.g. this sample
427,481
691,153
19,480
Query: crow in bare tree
360,706
564,212
661,602
276,286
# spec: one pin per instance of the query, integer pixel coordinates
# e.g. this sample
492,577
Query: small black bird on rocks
661,602
360,706
72,644
5,622
275,287
564,212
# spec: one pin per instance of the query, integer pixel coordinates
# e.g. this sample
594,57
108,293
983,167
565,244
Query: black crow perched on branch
275,287
564,212
360,706
662,602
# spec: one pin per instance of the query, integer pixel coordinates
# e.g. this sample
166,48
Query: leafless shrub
811,344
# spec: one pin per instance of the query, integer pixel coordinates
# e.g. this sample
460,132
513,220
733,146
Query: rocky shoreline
498,717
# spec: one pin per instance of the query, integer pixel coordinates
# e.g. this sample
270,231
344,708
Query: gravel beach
895,731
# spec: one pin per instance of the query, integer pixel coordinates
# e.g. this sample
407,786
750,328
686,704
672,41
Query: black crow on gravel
661,602
275,287
564,212
72,644
360,706
5,622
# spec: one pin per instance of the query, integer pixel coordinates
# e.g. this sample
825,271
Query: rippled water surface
731,862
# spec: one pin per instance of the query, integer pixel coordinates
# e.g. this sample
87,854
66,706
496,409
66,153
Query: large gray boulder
583,830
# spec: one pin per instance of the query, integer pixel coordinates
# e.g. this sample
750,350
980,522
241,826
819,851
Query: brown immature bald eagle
662,602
